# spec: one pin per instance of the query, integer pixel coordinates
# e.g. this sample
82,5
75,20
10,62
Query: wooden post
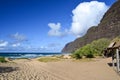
113,63
118,60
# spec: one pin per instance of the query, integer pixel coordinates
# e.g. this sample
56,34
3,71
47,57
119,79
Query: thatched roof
117,45
114,45
111,44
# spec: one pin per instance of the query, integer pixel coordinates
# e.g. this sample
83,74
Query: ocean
26,54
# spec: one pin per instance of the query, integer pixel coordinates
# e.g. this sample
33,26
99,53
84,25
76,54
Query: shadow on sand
111,65
8,69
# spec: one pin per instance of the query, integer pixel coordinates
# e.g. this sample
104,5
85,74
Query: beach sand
67,69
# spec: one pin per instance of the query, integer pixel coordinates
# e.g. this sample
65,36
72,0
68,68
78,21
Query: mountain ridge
109,27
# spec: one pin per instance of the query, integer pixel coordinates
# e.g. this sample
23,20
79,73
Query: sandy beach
68,69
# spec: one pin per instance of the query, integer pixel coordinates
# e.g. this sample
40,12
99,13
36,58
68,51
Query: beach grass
58,56
2,59
48,59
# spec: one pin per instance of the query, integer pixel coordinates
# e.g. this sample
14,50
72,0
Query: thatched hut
114,49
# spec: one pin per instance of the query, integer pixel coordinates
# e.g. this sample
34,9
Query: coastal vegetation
91,50
2,59
116,39
49,59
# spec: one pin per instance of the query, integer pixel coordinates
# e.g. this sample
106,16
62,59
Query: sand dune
61,70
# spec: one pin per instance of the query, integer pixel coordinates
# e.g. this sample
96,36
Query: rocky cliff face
109,27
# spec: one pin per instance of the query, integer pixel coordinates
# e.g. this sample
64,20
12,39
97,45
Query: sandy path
27,70
94,70
62,70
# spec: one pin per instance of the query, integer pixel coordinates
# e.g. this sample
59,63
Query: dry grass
49,59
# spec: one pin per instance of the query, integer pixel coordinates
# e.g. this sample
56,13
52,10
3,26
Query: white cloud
16,44
55,30
86,15
3,43
18,37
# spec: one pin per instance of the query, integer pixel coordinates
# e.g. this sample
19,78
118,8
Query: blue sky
46,25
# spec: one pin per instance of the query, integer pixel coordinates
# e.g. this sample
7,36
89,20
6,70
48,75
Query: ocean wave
28,56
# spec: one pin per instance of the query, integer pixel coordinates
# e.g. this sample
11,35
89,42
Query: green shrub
90,55
91,50
77,56
2,59
99,45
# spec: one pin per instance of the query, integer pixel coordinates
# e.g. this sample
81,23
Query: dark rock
109,27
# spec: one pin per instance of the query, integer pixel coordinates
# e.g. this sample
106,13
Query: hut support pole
118,60
113,61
